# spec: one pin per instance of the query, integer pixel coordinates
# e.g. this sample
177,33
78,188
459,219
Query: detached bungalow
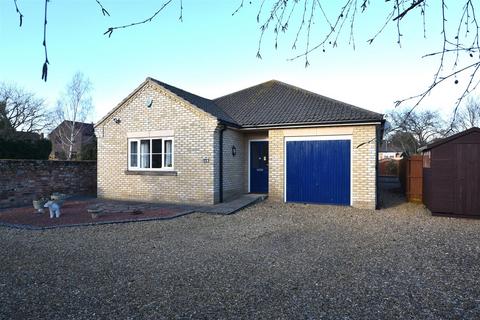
162,143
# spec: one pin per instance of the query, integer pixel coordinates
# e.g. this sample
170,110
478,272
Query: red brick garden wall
23,180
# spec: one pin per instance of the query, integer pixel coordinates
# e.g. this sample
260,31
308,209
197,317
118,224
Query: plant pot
96,213
38,204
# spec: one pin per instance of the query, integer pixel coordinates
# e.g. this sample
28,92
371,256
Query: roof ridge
66,120
178,88
245,89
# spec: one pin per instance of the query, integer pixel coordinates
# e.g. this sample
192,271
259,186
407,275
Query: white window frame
163,168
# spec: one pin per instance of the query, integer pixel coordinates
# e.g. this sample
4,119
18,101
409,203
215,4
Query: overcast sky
212,53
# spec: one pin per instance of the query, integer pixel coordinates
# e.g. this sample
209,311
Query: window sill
151,173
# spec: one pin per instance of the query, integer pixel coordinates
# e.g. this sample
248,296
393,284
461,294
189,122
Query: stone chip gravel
275,261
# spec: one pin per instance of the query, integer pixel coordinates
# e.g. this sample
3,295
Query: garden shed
451,173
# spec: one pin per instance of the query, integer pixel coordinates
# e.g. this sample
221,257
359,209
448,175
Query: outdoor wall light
149,102
117,120
234,151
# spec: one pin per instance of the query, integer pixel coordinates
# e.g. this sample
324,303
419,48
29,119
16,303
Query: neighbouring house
451,174
389,151
62,138
162,143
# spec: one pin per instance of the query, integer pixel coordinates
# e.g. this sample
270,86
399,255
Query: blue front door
318,171
259,166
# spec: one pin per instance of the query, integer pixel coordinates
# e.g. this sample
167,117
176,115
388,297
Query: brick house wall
196,152
363,160
233,166
194,133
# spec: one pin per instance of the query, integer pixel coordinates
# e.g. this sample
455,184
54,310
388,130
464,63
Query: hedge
25,149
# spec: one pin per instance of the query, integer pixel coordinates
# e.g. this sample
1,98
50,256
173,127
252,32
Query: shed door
318,171
467,184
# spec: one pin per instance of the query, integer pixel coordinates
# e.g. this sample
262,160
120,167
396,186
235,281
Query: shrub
25,149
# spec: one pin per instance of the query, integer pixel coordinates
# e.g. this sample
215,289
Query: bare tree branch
46,63
277,15
181,11
149,19
20,15
404,13
22,110
73,108
104,11
239,7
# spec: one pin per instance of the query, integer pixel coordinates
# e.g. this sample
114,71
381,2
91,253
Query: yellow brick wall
194,133
233,166
363,160
196,136
364,167
235,173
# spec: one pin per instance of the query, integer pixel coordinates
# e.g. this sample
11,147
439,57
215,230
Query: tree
468,115
21,110
5,127
73,108
89,151
337,22
403,140
316,26
423,126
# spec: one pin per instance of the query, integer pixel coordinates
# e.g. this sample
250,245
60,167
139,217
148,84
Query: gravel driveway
268,261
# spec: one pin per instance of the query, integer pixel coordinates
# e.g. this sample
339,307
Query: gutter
307,125
220,160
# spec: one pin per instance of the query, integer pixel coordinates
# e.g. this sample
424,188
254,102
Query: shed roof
448,139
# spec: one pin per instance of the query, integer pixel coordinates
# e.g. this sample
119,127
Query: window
150,154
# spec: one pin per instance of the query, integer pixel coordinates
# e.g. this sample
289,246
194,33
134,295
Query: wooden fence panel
411,178
388,167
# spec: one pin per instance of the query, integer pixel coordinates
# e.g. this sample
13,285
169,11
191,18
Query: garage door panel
318,171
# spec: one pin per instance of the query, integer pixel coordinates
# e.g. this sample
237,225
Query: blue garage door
318,171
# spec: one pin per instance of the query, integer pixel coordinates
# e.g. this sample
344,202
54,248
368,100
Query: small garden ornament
38,204
54,209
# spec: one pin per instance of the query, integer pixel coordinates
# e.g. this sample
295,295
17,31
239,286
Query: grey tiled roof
205,104
277,103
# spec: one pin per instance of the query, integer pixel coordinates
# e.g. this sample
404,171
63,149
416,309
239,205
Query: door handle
259,170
